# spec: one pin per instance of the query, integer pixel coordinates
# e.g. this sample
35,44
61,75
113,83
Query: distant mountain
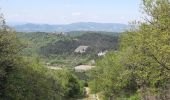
82,26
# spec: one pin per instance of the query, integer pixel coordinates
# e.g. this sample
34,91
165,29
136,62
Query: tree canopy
144,57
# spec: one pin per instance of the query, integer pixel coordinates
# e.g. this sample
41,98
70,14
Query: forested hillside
33,41
59,49
97,42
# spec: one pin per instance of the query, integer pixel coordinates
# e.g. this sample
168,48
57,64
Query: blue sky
70,11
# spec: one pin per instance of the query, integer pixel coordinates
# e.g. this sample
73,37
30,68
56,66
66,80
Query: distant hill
95,41
82,26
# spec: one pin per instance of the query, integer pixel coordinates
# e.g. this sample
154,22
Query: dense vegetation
26,78
58,49
140,69
33,41
96,42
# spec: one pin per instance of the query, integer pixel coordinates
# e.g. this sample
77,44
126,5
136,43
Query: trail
90,96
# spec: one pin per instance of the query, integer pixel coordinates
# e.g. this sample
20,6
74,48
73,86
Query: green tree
143,58
9,53
111,78
32,81
148,47
25,78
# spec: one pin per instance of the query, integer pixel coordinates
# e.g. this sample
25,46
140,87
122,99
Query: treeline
79,33
141,67
25,78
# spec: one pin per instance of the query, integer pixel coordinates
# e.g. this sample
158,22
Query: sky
70,11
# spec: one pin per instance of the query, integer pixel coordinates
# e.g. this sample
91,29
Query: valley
85,50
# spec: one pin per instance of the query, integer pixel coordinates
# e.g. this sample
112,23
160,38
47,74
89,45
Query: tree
111,78
9,53
143,58
148,47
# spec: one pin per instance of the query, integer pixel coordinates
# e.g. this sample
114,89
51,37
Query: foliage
9,53
97,42
80,33
143,59
33,41
149,46
58,49
111,78
24,78
33,81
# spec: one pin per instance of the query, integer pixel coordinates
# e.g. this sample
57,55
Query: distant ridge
81,26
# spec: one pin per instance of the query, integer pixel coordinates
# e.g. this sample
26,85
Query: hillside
34,40
59,49
95,41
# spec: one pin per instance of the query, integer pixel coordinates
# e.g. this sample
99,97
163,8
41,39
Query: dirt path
90,96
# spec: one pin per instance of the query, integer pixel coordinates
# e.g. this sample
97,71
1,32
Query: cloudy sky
70,11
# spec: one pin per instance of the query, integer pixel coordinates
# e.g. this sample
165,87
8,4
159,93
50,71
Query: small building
81,49
102,53
83,68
